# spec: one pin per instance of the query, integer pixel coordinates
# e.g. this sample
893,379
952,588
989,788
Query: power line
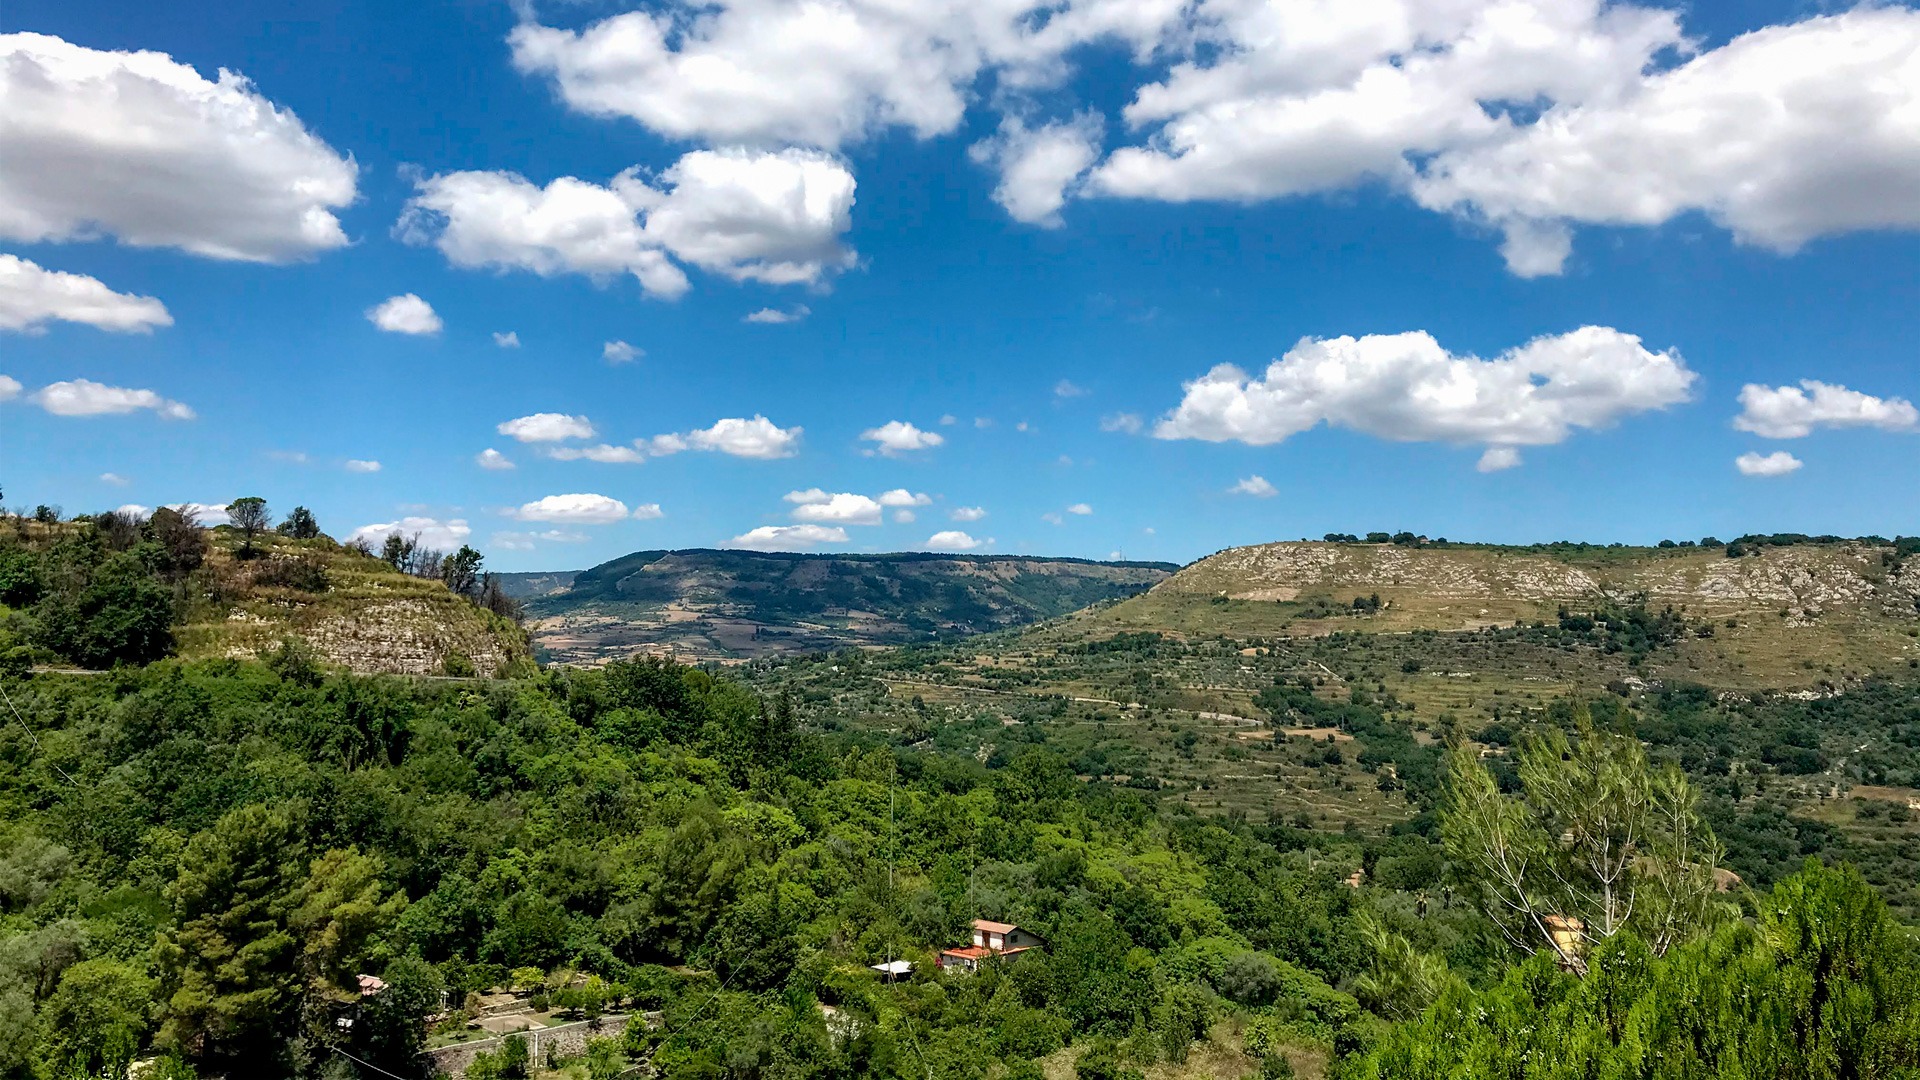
368,1064
35,739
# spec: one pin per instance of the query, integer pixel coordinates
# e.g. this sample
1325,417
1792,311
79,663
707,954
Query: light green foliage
1598,836
96,1021
1402,980
1826,987
604,1059
340,914
527,979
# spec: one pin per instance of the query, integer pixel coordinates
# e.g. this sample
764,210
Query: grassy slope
369,618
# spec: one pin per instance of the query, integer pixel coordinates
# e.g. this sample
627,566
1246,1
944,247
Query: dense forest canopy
267,868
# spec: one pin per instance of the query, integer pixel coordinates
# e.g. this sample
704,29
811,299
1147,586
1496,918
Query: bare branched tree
1597,843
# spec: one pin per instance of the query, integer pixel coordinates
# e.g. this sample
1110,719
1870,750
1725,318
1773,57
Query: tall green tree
300,525
228,961
461,571
249,516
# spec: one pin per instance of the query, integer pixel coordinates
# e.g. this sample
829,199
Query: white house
990,939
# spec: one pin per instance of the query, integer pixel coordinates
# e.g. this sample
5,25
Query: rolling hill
724,604
1764,615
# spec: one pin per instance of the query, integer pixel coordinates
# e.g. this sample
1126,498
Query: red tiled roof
981,952
992,927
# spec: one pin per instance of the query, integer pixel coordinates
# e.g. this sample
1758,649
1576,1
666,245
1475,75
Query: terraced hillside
353,611
1250,685
1766,616
714,604
101,591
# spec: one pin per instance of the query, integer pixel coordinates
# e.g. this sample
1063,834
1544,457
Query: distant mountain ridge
707,603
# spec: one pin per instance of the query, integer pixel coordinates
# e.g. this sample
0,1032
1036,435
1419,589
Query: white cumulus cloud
903,497
357,465
141,147
1124,423
789,537
1498,459
896,437
759,72
603,453
579,509
493,460
31,297
433,533
619,352
968,513
546,427
404,314
1040,166
9,387
1256,486
84,397
1782,135
778,316
1405,387
951,540
1792,412
841,508
1531,117
508,340
1778,463
1082,509
770,216
758,438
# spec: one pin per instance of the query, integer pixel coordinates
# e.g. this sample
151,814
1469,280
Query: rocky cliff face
1806,581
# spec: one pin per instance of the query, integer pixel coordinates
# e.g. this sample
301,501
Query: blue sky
961,222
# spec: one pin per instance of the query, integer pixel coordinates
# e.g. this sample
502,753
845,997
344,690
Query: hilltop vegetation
712,604
102,590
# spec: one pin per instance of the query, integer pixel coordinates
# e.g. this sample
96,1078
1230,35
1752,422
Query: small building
1569,939
893,970
990,939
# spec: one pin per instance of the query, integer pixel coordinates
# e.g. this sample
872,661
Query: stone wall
564,1040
